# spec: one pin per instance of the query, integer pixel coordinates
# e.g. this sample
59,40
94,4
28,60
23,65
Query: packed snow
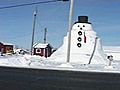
90,44
28,61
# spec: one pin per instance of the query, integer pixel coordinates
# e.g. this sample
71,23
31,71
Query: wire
28,4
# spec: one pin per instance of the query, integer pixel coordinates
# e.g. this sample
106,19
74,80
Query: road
12,78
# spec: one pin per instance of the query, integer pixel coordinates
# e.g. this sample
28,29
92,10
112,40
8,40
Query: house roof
6,43
40,45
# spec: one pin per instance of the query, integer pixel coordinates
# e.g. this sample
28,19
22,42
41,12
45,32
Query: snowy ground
29,61
113,50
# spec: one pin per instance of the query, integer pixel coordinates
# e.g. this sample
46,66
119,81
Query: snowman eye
78,26
83,25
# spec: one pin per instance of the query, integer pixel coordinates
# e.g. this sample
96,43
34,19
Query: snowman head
83,24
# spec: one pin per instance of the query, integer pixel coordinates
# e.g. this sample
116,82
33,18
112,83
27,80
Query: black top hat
83,19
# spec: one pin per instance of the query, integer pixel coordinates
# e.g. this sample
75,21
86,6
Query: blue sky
16,23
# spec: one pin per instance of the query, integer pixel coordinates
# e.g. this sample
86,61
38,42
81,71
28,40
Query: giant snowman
85,46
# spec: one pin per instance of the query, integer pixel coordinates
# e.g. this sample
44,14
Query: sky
16,23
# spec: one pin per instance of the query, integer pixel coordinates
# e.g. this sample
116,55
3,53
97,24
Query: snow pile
19,60
48,64
38,62
90,46
13,61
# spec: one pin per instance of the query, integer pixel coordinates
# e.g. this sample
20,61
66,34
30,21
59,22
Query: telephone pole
45,35
33,32
69,28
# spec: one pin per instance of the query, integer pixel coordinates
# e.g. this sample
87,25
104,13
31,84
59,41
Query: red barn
1,47
6,48
41,49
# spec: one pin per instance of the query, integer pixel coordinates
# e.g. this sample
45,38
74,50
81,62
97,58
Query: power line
28,4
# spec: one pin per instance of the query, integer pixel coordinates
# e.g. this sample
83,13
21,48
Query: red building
1,47
41,49
6,48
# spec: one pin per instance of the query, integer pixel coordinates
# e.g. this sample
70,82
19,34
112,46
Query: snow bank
38,62
13,61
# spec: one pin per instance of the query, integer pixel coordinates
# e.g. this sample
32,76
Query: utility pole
33,33
69,28
45,35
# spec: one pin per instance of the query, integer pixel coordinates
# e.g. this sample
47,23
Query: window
38,50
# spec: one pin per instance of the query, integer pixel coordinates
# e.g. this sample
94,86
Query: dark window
38,50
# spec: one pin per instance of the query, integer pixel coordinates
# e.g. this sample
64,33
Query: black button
79,45
79,33
79,39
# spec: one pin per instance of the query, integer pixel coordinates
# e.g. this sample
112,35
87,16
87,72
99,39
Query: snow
13,61
108,67
6,43
40,45
112,50
66,65
28,61
80,56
